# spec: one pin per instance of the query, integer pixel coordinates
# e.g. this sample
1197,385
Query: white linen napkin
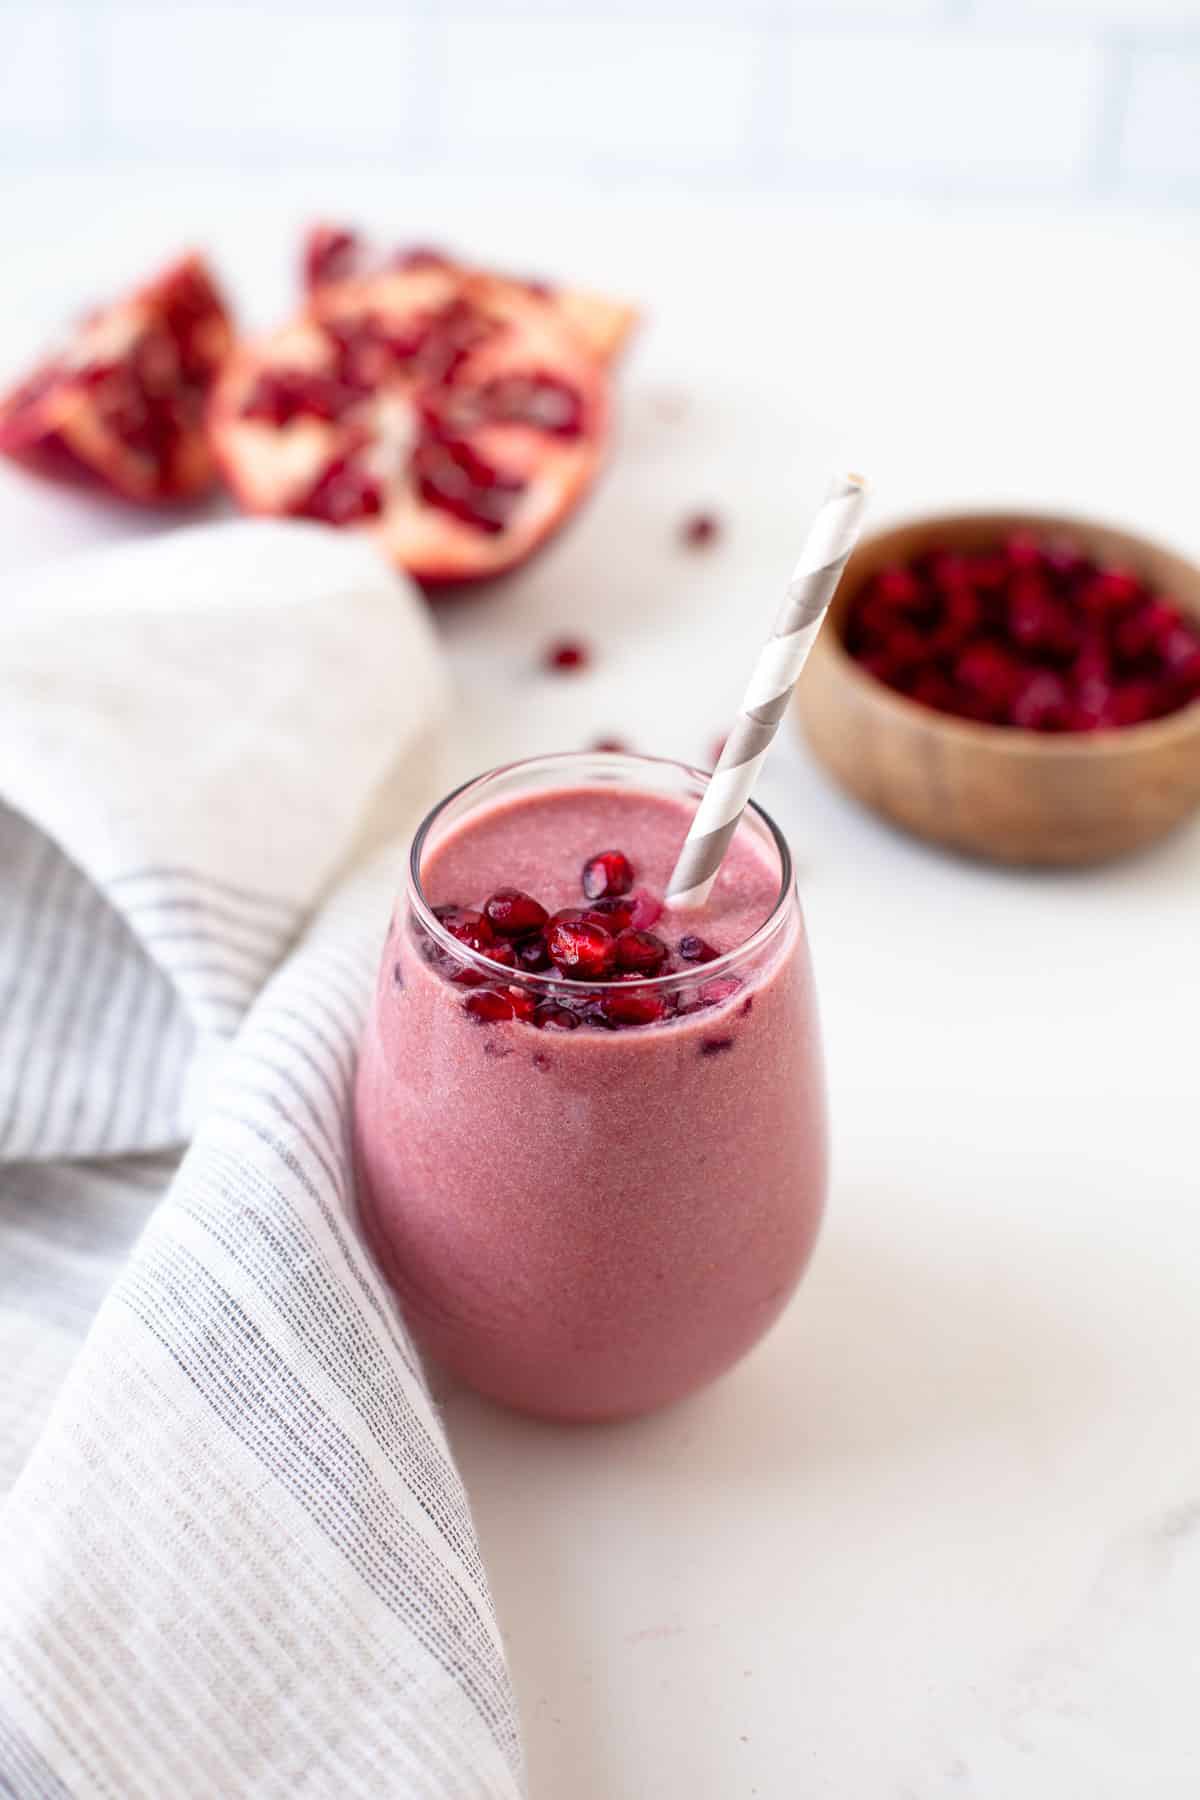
235,1554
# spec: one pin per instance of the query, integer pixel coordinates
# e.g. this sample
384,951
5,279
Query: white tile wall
39,73
1077,99
655,89
966,109
1161,139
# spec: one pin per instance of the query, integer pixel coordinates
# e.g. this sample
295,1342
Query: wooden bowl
990,790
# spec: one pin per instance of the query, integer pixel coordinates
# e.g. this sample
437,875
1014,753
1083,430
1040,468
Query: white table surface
939,1535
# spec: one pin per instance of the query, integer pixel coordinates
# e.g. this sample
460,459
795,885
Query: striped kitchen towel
235,1555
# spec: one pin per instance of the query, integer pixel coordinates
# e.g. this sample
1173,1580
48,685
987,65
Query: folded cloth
235,1554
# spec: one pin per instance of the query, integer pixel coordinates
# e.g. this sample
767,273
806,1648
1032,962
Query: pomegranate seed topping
628,1009
503,952
607,873
532,954
615,912
487,1007
467,926
647,910
581,949
696,950
513,913
699,530
568,653
641,952
548,1015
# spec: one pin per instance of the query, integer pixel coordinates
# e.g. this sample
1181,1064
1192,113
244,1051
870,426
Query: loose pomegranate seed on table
1028,634
700,530
567,654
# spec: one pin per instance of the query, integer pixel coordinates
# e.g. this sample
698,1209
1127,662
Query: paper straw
784,654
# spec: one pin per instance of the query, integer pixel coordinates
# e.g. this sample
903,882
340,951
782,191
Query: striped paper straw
784,654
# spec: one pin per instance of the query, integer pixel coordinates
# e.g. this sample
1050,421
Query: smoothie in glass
593,1183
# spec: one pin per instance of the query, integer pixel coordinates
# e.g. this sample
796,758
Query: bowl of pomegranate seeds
1022,688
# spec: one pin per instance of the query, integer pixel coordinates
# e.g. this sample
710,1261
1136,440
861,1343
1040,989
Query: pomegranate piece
693,949
581,949
488,1007
480,413
122,404
504,953
640,952
566,654
514,913
700,530
607,873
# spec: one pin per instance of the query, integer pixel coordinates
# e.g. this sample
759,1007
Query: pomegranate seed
467,926
514,913
532,954
502,953
716,993
1040,703
449,473
568,653
281,395
487,1007
541,401
607,873
344,493
548,1015
1110,590
615,912
897,586
581,949
523,1004
629,1009
647,910
641,952
695,949
699,530
330,254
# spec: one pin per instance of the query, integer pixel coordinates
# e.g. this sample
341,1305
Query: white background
931,1539
1073,102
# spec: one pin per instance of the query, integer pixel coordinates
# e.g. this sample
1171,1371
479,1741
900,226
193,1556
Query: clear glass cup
590,1224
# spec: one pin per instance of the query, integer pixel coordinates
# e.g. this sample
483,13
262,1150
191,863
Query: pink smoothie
591,1223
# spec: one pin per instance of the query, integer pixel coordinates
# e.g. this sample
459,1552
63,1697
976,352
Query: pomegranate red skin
121,406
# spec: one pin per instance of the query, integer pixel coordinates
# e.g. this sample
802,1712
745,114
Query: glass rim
552,980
